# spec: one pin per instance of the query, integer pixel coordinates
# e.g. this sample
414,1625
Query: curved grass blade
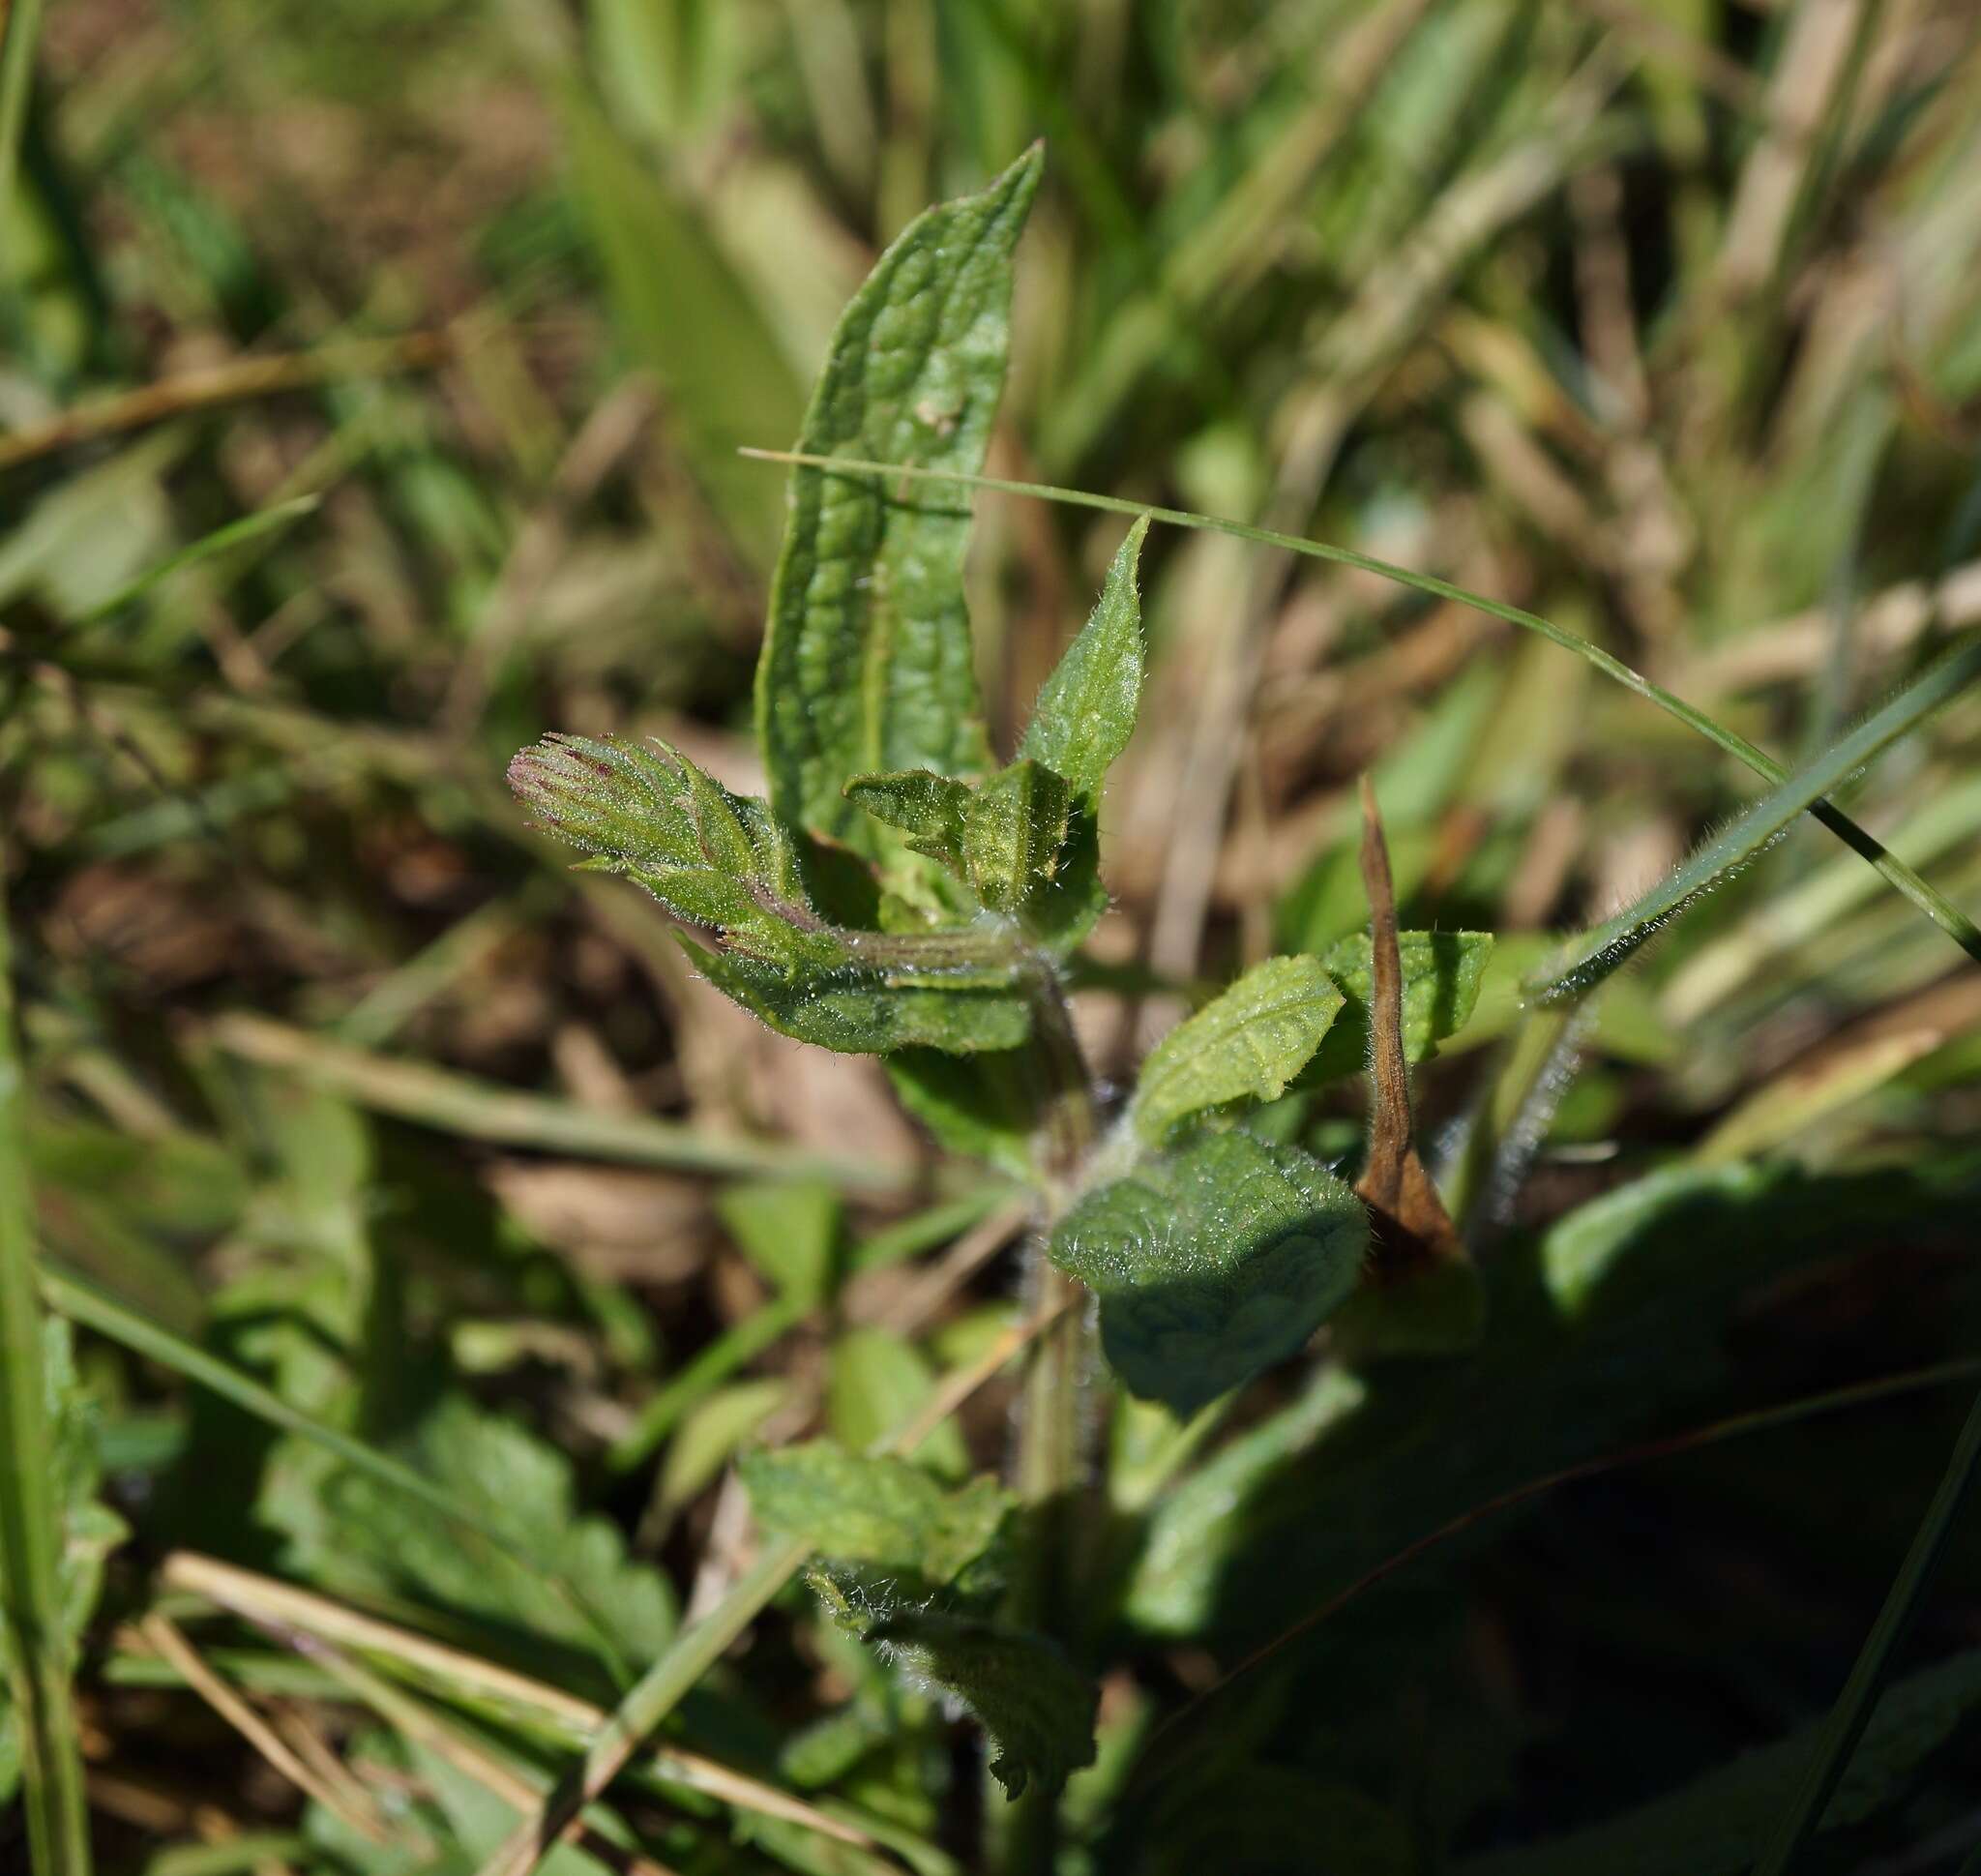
247,528
19,28
37,1650
1954,922
1851,1713
1593,956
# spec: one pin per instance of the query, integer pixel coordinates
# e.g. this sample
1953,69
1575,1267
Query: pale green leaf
1243,1045
523,1489
884,1513
1212,1263
788,1228
709,1434
878,1382
866,663
1442,971
1085,711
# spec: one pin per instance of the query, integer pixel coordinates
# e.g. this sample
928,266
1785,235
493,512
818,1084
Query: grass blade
20,26
1591,958
458,1104
1851,1713
1954,922
30,1583
248,527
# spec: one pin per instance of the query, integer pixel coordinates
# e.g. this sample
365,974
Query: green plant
903,893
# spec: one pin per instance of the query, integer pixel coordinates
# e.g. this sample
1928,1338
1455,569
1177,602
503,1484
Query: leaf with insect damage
867,665
1212,1261
1243,1045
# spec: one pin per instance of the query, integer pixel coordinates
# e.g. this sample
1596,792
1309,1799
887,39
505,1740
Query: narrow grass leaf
1086,709
1593,956
1956,923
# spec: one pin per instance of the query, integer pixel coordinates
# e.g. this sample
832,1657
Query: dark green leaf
1243,1045
984,1105
865,1010
1442,971
1718,1826
1213,1263
1037,1706
1086,709
867,665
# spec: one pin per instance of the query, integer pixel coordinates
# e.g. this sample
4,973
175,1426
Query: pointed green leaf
930,807
1588,960
885,1513
789,1229
1442,971
1245,1045
1213,1263
1085,712
866,663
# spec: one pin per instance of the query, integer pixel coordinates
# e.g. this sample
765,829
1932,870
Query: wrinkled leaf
1085,711
1245,1045
1213,1263
867,1010
867,665
930,807
1037,1706
1442,971
885,1513
1012,834
524,1488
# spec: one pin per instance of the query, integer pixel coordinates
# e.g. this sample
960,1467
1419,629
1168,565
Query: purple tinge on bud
615,798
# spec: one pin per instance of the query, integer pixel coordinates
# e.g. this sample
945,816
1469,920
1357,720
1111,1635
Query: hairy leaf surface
1245,1045
1213,1263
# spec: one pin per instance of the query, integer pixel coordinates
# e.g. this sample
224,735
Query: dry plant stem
172,1646
1410,1225
234,382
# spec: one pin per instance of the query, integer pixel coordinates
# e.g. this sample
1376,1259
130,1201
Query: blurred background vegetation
370,378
